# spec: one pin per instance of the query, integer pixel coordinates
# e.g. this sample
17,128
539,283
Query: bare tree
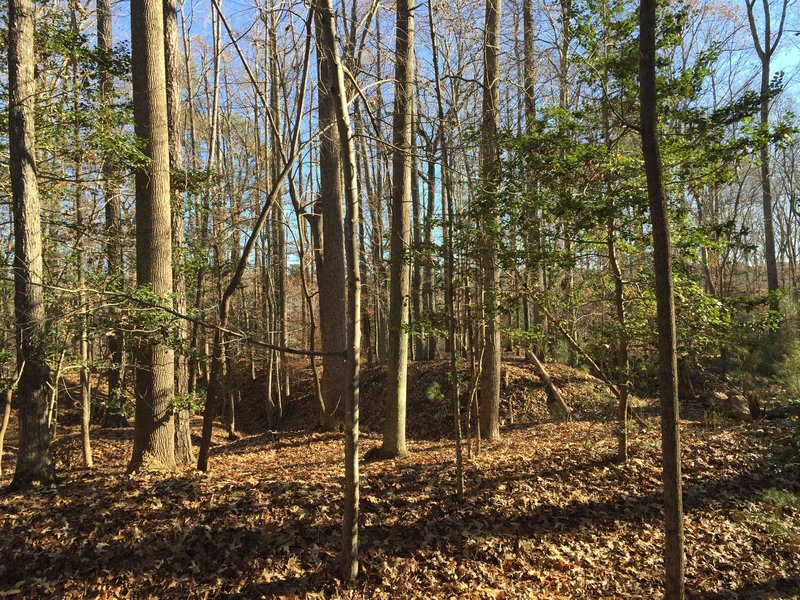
765,48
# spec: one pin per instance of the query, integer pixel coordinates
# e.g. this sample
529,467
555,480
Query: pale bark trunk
154,434
34,459
4,425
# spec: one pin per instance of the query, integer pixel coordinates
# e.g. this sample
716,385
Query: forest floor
547,512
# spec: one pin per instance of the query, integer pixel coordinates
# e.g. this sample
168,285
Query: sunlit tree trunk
183,434
34,459
330,258
394,430
154,434
489,394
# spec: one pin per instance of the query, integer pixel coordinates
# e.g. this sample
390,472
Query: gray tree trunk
34,459
154,434
183,434
394,430
489,385
330,259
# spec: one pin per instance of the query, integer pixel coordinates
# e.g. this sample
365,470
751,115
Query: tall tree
330,255
34,459
183,434
154,434
665,304
765,48
327,42
489,397
394,429
111,196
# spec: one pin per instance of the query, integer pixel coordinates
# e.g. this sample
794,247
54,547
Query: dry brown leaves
548,514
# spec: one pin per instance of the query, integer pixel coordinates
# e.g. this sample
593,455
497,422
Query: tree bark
327,29
34,459
330,255
154,433
394,430
489,391
113,248
665,306
183,415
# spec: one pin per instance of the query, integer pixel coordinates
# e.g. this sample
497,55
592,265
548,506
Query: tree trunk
34,459
665,306
765,48
4,425
327,29
489,394
113,248
183,415
449,285
154,434
329,256
83,311
394,429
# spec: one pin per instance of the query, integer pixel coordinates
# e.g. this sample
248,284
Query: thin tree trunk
351,480
4,426
83,311
665,306
183,415
449,286
113,248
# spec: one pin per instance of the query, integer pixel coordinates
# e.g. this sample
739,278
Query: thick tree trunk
34,459
665,306
154,434
489,391
394,429
330,254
